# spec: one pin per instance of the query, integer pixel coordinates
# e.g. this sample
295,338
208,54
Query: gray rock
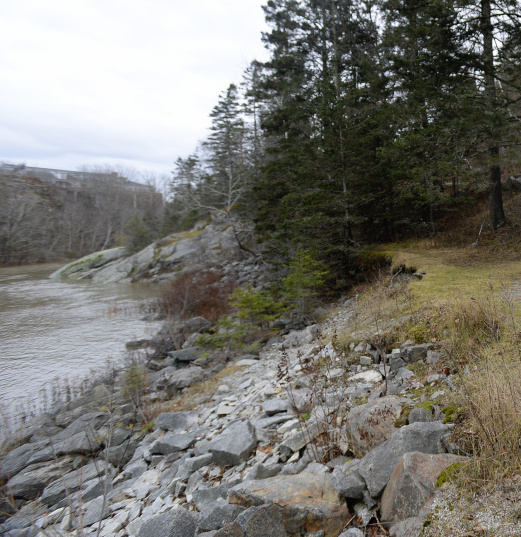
302,400
235,444
417,352
18,459
182,378
96,260
262,521
433,357
411,527
23,532
231,530
195,463
275,406
171,443
396,363
29,483
308,502
95,487
352,532
89,422
119,456
174,523
302,337
411,483
96,510
87,403
371,424
419,414
378,465
73,481
348,482
204,497
301,438
82,443
267,423
193,482
215,516
197,324
260,471
186,355
176,421
23,517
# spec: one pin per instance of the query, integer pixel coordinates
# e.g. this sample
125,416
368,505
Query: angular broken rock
183,378
174,523
235,444
172,443
348,482
215,516
175,421
412,482
275,406
371,424
417,352
262,521
73,481
378,465
29,483
186,355
308,502
301,438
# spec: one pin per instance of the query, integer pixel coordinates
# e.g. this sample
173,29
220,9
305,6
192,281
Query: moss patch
449,474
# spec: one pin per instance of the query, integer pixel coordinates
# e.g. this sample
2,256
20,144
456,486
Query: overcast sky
129,82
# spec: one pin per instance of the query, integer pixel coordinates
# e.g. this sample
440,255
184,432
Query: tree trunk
497,213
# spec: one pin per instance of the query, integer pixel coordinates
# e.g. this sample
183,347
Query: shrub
306,279
197,294
255,307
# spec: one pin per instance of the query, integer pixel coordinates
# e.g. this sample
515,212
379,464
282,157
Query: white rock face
370,375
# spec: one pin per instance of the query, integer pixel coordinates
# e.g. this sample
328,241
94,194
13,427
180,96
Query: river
54,333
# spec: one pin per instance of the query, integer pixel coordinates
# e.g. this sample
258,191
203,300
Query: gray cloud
122,81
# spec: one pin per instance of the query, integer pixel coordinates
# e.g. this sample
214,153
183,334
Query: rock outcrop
209,245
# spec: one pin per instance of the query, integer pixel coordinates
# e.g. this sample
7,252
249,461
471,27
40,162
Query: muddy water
54,333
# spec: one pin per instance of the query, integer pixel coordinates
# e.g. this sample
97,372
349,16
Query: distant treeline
41,221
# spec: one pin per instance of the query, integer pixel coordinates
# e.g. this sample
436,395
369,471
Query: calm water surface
56,332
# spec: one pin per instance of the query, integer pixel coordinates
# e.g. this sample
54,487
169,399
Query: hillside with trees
42,220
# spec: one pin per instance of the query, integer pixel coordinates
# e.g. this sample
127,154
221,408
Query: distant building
78,182
72,180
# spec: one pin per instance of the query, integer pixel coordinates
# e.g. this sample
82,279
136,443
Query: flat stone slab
275,406
176,421
172,443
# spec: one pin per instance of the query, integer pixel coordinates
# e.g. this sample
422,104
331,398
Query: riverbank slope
344,427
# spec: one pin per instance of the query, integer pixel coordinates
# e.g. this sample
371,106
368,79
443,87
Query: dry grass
468,303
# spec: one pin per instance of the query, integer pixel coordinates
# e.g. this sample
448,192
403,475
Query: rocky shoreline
295,441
